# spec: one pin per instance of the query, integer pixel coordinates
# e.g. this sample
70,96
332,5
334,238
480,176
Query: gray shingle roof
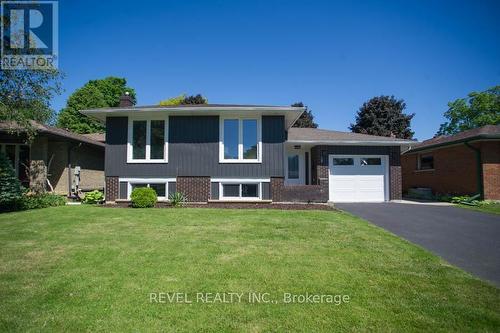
485,132
50,130
320,135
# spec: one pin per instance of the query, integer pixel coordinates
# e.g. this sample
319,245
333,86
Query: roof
316,135
291,113
54,131
101,137
480,133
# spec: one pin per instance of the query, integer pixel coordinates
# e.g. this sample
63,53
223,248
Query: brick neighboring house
242,153
50,156
465,163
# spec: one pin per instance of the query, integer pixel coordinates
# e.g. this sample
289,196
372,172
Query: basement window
425,162
244,191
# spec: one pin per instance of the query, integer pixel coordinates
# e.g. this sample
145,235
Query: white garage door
358,178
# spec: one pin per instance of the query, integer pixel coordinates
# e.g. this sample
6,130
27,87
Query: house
56,160
227,153
464,163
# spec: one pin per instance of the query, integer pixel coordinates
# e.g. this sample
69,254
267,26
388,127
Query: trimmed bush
177,199
11,191
143,197
35,201
94,197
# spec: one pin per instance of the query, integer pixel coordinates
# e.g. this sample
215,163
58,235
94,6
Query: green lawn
493,208
78,268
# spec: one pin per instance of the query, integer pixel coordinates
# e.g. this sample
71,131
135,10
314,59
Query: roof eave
455,142
351,142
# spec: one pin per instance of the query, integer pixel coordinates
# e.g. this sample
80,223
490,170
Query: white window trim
3,149
240,140
131,181
130,136
240,182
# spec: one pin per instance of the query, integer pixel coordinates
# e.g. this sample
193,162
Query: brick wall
490,154
196,189
297,193
454,171
111,191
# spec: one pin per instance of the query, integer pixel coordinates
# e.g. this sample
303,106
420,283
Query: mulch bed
233,205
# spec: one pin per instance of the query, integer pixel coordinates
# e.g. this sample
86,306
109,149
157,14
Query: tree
383,116
182,99
94,94
306,120
478,109
25,95
10,187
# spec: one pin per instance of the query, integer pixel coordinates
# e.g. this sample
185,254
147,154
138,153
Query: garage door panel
357,183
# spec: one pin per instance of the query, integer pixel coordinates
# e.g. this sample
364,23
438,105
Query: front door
295,165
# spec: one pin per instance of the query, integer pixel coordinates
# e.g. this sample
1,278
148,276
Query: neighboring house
56,157
464,163
242,153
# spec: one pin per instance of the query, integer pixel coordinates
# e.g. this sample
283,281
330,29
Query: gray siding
172,187
123,190
214,191
266,191
193,150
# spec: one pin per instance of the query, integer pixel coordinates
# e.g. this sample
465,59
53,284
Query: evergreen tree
10,187
383,116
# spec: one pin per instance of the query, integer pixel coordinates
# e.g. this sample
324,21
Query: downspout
479,171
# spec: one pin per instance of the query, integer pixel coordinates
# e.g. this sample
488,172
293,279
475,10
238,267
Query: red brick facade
111,190
196,189
298,193
455,170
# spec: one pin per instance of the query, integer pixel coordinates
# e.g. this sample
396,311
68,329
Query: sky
333,56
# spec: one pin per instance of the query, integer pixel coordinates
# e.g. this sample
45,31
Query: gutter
479,167
455,142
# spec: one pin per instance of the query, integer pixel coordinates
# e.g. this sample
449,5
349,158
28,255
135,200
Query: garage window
343,161
370,161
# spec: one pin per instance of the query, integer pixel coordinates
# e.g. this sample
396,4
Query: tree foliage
10,187
383,116
306,120
94,94
478,109
25,96
183,99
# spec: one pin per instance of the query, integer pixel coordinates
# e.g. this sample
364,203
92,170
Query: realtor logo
29,34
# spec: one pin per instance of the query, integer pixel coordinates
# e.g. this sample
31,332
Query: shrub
143,197
177,199
44,200
94,197
10,188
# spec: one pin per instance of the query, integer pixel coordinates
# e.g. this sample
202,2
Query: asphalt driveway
465,238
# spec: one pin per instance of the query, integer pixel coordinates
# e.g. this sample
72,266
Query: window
343,161
370,161
240,141
160,188
426,162
147,141
293,167
19,156
241,191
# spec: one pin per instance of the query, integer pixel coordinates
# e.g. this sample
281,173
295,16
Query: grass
93,269
493,208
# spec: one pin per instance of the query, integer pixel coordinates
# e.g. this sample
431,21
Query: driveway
465,238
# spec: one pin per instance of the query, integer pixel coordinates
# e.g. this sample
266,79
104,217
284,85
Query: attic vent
296,147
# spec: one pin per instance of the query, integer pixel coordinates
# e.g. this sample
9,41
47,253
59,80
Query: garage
358,178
